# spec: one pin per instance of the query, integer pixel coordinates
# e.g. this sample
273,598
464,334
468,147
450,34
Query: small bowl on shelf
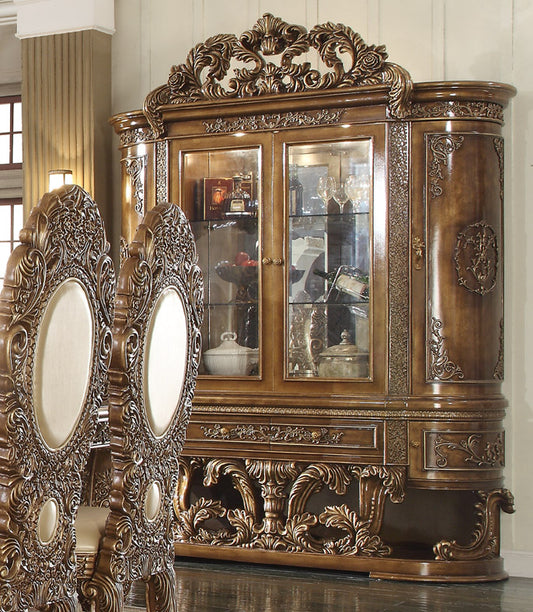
239,275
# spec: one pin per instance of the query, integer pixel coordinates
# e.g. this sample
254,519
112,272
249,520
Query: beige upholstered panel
90,527
165,362
152,501
63,362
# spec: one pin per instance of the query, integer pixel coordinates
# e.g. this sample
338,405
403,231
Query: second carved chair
154,365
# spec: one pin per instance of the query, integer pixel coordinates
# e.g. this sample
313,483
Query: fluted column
66,96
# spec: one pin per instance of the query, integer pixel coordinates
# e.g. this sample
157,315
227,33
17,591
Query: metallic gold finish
419,249
285,489
441,368
138,545
441,147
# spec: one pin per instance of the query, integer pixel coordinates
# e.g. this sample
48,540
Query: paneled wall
434,40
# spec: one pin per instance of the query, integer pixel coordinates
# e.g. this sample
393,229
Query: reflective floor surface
210,586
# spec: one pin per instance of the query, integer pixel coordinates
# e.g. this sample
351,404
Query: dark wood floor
208,586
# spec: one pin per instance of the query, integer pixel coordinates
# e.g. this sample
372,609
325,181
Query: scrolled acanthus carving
441,147
285,522
63,239
202,76
476,450
485,542
441,367
273,433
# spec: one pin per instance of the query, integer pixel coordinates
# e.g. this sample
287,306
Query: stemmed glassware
341,197
326,188
348,195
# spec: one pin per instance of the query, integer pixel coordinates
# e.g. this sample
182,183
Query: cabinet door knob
278,261
266,261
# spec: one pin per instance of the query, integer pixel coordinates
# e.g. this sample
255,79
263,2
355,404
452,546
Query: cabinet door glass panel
329,288
225,188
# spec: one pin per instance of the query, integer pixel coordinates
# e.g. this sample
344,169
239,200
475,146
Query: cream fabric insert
63,362
47,524
165,360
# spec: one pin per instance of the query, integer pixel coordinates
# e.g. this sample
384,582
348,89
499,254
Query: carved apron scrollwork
275,513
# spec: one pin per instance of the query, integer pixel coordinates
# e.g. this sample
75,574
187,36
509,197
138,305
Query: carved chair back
56,309
156,349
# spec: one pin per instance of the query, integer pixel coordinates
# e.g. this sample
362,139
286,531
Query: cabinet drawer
303,438
466,455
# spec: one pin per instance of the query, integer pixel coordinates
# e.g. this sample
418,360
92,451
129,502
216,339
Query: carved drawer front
342,440
457,454
299,437
227,433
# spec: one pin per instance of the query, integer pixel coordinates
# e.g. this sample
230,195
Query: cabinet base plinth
415,570
359,518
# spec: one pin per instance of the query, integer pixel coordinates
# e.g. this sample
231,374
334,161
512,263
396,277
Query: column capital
46,17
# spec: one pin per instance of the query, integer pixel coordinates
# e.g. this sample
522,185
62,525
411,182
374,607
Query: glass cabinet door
225,187
328,281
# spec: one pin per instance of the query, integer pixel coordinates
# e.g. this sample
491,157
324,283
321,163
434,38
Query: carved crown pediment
271,59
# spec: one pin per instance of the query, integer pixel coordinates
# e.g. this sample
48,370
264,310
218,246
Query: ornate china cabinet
349,227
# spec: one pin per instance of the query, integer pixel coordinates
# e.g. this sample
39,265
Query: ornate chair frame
63,252
138,542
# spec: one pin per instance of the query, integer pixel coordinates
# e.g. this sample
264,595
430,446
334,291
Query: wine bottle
296,191
349,280
238,202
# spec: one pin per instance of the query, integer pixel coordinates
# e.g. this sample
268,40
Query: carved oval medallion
476,258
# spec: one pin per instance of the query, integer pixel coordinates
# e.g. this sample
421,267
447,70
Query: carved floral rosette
63,239
226,66
162,255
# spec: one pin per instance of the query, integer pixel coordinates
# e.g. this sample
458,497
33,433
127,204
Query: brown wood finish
328,472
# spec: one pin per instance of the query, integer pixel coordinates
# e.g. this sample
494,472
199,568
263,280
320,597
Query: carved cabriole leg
486,536
106,594
161,592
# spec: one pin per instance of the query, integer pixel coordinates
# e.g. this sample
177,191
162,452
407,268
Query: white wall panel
353,13
127,82
171,37
406,30
10,54
478,39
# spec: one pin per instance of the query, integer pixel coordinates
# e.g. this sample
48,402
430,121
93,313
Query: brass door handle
267,261
419,249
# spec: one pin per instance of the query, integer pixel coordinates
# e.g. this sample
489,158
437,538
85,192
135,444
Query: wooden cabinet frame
331,473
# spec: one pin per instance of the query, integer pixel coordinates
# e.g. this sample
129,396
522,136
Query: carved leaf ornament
225,67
